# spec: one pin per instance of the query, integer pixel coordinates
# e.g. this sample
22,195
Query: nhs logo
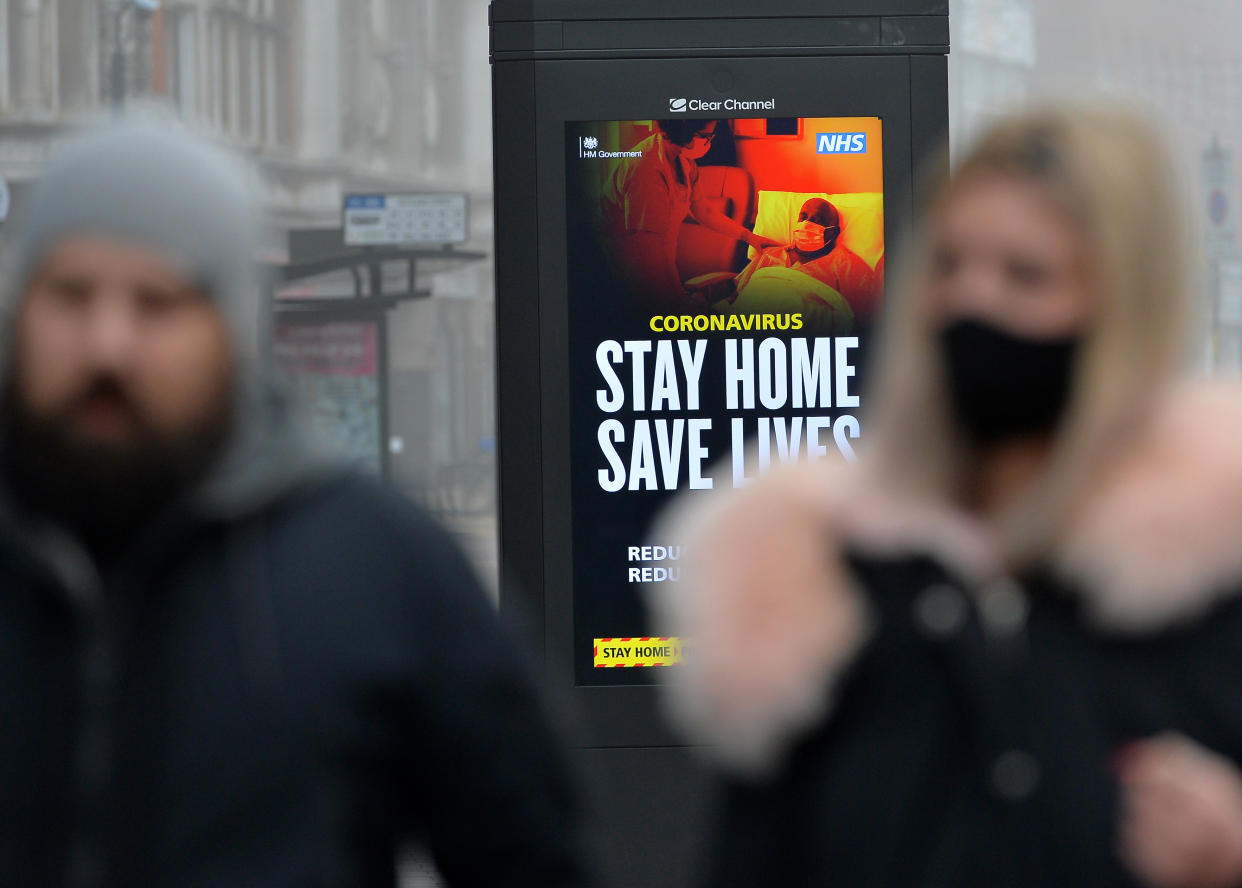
841,143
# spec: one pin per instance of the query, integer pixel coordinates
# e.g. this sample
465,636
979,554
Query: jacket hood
775,617
269,456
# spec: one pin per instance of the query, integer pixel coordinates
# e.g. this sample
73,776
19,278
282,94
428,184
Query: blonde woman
1005,649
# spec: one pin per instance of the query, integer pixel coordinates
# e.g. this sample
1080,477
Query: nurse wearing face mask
817,252
1005,648
644,202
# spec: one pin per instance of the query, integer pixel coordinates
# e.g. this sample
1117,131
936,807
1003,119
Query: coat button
1015,775
940,610
1004,607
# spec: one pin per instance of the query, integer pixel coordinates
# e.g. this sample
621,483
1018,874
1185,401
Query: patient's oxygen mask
811,237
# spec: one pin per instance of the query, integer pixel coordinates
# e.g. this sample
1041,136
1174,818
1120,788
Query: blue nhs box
841,143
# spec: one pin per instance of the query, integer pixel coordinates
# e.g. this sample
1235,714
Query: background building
992,61
1182,66
329,97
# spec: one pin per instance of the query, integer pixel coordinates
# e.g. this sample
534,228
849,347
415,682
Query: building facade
328,97
1183,68
992,62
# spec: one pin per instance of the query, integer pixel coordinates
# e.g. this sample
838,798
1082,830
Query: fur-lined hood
774,617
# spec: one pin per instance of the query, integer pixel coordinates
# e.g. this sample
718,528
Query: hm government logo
677,106
588,149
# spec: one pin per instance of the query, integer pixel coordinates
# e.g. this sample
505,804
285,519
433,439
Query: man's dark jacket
285,679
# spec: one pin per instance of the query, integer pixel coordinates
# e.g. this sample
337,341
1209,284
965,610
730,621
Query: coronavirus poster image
724,277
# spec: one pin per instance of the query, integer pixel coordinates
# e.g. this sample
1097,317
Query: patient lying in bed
815,275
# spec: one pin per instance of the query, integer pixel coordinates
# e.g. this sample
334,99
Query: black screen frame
533,329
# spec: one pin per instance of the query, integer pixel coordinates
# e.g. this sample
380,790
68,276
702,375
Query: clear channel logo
841,143
681,106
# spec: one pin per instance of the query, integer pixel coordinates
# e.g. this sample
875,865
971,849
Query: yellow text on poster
631,652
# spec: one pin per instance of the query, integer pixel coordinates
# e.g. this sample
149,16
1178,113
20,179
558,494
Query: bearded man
223,659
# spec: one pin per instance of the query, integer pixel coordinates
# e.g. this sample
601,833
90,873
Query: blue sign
841,143
365,202
1218,207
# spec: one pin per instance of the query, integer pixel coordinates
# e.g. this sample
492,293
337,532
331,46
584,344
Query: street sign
391,219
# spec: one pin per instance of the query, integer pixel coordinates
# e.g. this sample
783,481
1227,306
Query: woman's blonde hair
1108,172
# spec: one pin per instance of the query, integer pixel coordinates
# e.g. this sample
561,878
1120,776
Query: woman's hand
714,289
759,242
1181,814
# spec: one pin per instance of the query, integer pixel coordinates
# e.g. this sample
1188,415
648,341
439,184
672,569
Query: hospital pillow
862,220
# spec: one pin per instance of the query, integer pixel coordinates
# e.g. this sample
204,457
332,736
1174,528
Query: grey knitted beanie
159,186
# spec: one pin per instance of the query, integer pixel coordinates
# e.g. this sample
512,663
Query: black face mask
1003,387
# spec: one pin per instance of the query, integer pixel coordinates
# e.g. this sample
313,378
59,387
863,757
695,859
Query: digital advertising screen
724,276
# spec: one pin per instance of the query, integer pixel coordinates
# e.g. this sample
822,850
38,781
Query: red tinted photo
782,217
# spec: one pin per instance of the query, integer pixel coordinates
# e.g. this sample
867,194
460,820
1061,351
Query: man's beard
104,493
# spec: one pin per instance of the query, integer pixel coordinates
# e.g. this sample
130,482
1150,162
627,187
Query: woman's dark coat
885,714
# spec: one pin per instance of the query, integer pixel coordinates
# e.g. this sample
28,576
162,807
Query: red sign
334,348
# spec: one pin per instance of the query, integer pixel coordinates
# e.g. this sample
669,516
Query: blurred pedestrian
1003,649
224,661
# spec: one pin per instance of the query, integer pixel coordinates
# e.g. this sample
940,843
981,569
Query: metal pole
117,71
382,383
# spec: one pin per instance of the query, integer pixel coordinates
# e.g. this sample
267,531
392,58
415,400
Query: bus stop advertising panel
690,348
695,206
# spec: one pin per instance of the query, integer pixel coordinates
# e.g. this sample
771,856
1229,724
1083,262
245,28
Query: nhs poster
724,276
